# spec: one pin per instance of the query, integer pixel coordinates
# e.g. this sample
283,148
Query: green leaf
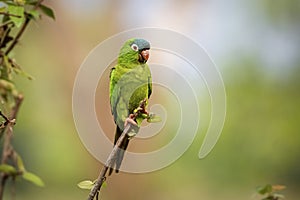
278,196
33,179
3,7
20,164
47,11
104,184
7,85
264,189
154,118
20,2
34,14
6,71
18,12
21,72
86,185
8,169
31,2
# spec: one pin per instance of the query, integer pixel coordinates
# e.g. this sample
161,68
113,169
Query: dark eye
134,47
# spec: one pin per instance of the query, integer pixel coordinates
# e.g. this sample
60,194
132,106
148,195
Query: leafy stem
22,29
15,17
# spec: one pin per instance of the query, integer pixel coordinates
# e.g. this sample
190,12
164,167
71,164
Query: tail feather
116,163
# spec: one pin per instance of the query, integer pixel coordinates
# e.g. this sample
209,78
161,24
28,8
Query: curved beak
145,55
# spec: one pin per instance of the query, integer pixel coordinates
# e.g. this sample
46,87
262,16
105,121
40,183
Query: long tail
120,153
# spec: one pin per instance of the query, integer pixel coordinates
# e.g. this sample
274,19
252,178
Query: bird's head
134,51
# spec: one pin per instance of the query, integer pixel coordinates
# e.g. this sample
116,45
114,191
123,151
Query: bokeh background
255,45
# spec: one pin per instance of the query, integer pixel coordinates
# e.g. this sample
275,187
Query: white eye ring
134,47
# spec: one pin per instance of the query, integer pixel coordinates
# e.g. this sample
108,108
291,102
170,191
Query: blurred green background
256,46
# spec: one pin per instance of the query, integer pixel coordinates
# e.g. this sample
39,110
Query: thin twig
22,29
6,23
6,152
7,148
20,33
112,156
38,4
9,14
18,101
4,117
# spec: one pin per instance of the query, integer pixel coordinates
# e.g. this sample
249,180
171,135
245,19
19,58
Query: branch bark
8,150
102,176
18,36
8,14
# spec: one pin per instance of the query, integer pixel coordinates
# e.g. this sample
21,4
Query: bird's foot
142,109
130,119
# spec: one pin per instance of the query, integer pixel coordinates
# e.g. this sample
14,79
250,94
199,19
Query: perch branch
102,176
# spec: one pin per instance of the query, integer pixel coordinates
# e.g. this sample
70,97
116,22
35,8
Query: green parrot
130,84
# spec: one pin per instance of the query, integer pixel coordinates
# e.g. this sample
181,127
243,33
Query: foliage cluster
15,16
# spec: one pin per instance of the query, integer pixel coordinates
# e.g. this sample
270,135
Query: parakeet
130,84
